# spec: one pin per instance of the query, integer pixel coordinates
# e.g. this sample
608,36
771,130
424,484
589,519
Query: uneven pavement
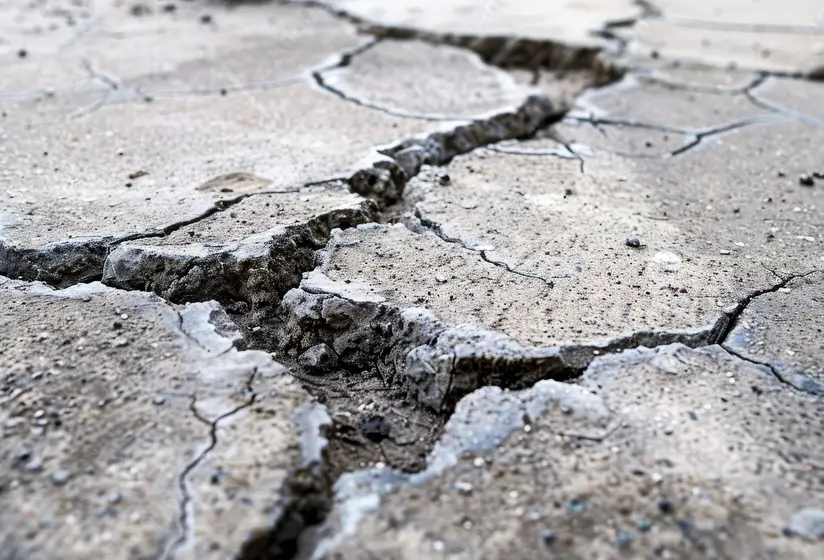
454,279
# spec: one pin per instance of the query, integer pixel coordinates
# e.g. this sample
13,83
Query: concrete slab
571,22
660,461
249,254
136,427
665,259
770,51
781,329
464,86
658,105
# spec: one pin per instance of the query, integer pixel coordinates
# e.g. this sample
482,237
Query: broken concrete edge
65,263
309,489
502,51
386,179
440,363
306,497
256,270
484,419
437,362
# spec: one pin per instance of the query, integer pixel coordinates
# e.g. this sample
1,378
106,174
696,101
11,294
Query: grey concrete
661,461
406,261
135,427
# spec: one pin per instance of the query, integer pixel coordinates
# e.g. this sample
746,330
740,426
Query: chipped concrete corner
356,279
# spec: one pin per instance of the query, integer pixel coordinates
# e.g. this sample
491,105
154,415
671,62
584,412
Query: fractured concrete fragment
783,329
651,455
252,253
135,429
442,329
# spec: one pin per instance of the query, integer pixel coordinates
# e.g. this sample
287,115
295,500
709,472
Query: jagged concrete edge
386,179
503,51
256,269
438,362
358,494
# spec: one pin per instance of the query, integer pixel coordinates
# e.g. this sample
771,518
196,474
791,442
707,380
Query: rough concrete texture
561,22
783,331
133,426
660,459
481,279
251,253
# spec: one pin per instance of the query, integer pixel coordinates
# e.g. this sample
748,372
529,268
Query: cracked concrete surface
663,460
125,426
430,279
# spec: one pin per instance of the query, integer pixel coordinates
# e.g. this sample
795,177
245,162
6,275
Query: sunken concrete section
652,454
139,427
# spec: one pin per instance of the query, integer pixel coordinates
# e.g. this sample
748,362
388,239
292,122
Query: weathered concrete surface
662,461
407,203
501,232
562,22
463,86
656,104
773,36
83,170
133,429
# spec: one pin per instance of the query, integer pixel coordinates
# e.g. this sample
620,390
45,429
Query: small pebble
463,487
818,174
158,400
60,477
114,497
375,428
577,506
205,18
22,53
668,431
624,539
643,525
445,179
35,465
665,506
635,241
478,462
548,537
805,180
